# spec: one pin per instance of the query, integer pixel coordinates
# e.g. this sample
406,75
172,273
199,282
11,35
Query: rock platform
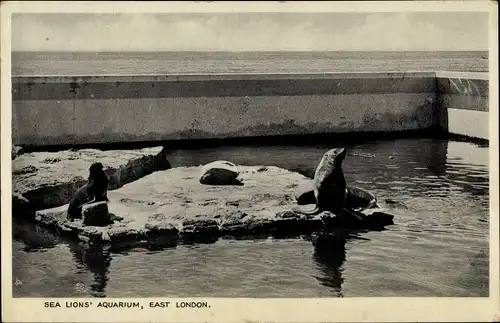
154,204
172,206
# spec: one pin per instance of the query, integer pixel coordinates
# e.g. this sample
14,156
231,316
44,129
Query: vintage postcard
249,161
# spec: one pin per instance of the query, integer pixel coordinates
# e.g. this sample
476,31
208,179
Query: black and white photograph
279,154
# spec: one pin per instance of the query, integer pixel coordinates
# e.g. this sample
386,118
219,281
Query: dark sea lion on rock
95,190
330,189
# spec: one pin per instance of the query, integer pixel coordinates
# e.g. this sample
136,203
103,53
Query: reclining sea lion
95,190
330,189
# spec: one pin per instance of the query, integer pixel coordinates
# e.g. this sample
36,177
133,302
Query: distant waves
43,63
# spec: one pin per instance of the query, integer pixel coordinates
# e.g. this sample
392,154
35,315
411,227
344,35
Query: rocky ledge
49,179
172,206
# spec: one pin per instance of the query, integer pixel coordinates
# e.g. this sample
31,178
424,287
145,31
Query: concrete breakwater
463,102
102,109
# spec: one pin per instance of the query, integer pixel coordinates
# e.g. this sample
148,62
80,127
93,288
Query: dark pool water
438,245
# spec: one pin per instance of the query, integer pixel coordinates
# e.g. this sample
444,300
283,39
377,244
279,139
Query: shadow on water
329,260
97,260
330,254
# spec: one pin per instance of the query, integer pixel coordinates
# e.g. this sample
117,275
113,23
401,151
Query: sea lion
220,172
330,189
95,190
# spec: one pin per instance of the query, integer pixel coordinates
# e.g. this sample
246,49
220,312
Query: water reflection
329,255
97,260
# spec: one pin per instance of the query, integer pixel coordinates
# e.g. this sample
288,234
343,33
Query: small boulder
219,173
96,214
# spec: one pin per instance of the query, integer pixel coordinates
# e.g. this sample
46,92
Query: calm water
43,63
437,247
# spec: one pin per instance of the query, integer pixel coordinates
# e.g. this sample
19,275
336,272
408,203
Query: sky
251,31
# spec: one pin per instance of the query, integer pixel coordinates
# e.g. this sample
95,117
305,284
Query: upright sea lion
330,190
95,190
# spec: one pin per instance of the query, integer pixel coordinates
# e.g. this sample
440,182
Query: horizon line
245,51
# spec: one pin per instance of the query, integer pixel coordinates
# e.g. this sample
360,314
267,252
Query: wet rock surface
49,179
172,206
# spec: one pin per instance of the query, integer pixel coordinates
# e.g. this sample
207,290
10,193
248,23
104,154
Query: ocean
133,63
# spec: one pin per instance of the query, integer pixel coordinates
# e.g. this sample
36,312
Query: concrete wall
464,101
99,109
